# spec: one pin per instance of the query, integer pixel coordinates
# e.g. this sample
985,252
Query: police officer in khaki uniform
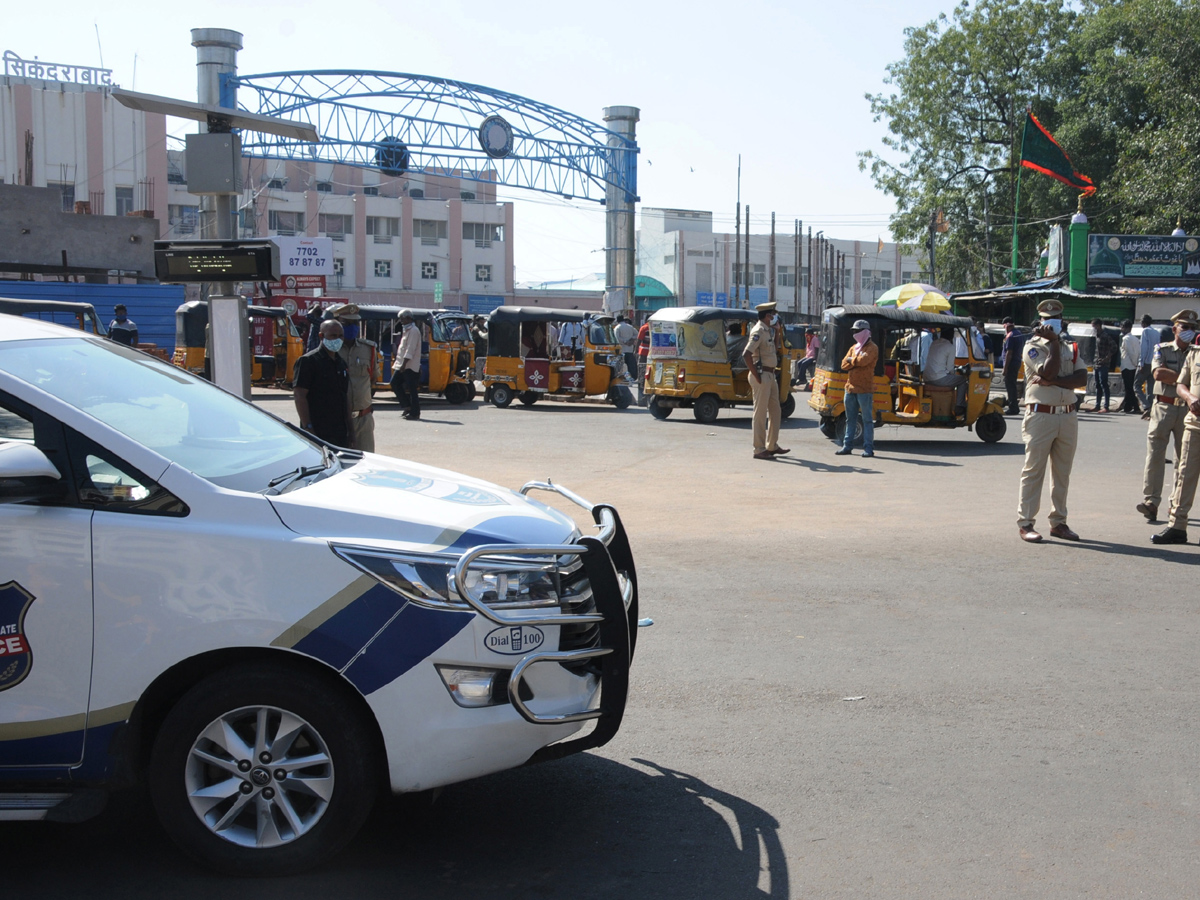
1167,412
359,355
761,357
1187,388
1050,428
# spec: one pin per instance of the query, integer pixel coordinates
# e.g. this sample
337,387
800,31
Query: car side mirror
27,474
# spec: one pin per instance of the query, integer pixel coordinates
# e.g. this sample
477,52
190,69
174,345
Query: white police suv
265,629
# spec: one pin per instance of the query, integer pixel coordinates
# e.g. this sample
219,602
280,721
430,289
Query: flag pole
1012,272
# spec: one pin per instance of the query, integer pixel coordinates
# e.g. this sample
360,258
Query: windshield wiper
283,482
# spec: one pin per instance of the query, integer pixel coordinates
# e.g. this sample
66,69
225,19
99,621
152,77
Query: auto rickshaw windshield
600,333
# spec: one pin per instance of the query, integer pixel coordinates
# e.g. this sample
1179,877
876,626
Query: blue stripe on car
412,637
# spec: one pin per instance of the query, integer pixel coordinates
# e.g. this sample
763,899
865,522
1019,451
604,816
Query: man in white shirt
570,338
1130,355
406,370
939,367
1143,381
626,336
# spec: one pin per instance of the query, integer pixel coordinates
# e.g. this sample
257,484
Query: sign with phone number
304,255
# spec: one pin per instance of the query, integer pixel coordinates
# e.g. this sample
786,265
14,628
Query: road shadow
1146,551
947,449
831,468
580,828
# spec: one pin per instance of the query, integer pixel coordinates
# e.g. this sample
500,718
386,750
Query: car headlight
423,578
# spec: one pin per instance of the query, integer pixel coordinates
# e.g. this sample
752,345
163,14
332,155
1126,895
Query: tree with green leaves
1111,79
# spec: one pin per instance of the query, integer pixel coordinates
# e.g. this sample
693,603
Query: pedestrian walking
1130,353
761,357
360,356
859,394
479,334
643,352
1168,412
1102,361
1050,428
122,328
406,370
1187,460
321,388
1011,365
1143,381
627,336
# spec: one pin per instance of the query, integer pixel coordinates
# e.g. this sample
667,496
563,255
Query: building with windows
398,240
679,248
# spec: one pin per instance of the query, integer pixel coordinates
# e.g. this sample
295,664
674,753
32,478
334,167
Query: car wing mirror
27,474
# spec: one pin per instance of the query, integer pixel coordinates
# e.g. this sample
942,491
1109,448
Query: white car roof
23,328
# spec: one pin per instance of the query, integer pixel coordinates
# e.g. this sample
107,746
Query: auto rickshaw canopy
504,324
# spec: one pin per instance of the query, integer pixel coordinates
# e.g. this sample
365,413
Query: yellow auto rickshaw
447,349
271,329
908,391
695,361
564,354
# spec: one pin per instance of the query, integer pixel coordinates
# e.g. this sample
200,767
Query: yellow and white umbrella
915,295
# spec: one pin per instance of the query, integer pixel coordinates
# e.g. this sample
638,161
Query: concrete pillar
619,246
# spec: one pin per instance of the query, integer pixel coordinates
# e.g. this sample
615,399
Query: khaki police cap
765,307
347,311
1050,309
1187,316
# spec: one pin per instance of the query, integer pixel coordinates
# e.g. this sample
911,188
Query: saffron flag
1040,152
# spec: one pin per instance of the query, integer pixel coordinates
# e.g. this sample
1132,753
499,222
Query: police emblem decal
16,657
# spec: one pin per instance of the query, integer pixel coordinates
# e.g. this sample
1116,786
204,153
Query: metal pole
747,306
620,203
771,279
737,246
808,288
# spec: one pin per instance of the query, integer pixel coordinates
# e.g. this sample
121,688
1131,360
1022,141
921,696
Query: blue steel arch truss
358,113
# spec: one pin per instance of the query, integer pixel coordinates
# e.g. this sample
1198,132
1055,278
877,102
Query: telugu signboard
1143,257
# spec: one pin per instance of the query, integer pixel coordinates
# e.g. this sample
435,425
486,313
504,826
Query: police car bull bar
608,563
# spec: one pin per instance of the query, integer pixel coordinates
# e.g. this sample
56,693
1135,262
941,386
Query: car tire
231,810
990,428
457,393
706,408
502,395
787,407
658,410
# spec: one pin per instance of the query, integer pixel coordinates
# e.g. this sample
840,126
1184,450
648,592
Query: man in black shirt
122,329
321,388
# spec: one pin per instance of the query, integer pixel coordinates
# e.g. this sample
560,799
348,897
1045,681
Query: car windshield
177,415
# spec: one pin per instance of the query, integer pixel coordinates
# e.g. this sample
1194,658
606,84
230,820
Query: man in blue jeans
859,366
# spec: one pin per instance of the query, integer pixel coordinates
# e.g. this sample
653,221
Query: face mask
862,336
350,332
1054,325
333,345
1187,336
773,321
121,318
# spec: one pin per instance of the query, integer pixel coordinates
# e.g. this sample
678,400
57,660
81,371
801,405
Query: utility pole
748,257
737,240
798,229
809,287
987,239
933,218
771,279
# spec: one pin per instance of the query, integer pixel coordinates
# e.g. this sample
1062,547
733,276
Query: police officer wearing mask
321,388
1167,412
359,355
1050,428
761,357
1187,463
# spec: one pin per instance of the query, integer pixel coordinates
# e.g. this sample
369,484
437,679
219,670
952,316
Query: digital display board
179,263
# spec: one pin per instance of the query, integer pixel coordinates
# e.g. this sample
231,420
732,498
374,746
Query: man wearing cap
406,370
1187,462
359,356
1167,413
859,395
761,357
1052,372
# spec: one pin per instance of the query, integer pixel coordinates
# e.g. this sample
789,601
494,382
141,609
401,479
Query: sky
780,83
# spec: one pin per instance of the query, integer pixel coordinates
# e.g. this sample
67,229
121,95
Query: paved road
859,683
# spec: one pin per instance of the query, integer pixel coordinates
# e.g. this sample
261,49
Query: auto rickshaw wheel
620,396
787,407
457,393
471,392
840,430
827,427
528,398
706,408
658,410
502,395
990,428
